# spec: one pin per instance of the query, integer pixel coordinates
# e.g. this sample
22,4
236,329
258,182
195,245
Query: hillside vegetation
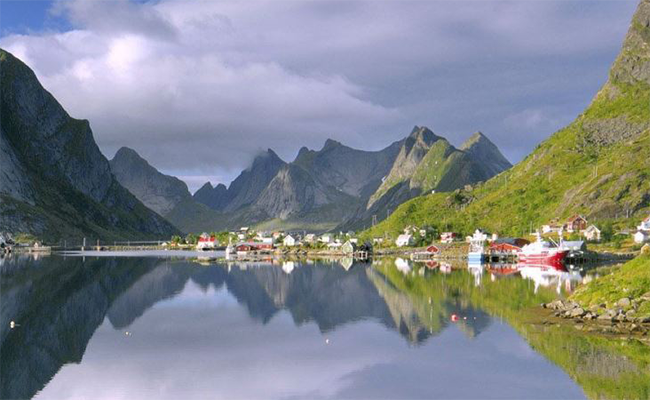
597,166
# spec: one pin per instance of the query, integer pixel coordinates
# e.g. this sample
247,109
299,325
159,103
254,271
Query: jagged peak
206,186
331,143
633,62
127,152
265,157
422,135
477,138
220,187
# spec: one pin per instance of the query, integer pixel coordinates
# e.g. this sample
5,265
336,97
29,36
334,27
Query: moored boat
545,253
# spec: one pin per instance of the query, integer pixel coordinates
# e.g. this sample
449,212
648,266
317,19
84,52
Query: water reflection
122,327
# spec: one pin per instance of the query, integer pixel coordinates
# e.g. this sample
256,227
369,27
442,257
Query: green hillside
597,166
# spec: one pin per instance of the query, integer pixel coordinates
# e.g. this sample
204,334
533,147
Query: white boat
476,252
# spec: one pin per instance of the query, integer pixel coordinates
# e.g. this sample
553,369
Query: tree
191,238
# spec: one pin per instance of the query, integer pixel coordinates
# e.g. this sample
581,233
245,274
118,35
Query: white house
642,237
592,233
326,238
310,238
478,236
447,237
289,241
551,228
404,240
645,225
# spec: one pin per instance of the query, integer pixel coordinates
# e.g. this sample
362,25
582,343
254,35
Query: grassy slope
632,281
566,174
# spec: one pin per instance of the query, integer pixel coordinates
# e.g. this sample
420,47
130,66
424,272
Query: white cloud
199,87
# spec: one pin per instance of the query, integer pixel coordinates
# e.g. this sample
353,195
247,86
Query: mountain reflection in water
153,327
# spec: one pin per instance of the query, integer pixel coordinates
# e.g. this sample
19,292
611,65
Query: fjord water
108,327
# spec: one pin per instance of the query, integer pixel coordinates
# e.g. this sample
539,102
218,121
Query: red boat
543,253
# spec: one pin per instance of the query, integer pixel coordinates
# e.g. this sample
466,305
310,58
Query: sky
199,88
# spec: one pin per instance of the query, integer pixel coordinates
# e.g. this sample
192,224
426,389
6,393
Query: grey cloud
200,87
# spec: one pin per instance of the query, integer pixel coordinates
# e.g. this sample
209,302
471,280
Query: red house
243,248
576,223
448,237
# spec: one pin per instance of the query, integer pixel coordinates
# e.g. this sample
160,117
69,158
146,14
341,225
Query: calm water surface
143,328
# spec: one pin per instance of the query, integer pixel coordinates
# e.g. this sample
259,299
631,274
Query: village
583,241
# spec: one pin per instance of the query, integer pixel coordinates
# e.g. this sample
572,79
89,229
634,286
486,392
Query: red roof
433,249
205,239
576,217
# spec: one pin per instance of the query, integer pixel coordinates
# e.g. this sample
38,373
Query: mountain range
597,166
54,181
334,187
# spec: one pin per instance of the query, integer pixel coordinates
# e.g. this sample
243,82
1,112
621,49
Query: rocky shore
621,318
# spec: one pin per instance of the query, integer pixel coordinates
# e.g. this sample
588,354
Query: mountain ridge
596,166
55,183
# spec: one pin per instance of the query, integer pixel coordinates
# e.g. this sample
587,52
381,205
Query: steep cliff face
426,163
294,191
214,197
157,191
248,186
412,151
485,155
351,171
597,166
55,183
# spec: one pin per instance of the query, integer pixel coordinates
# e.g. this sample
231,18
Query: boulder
605,318
645,249
576,312
624,302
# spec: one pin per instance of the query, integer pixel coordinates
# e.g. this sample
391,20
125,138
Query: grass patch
631,280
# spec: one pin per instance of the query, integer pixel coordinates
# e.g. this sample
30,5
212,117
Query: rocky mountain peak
127,152
331,144
206,187
477,139
485,153
633,62
423,133
157,191
266,158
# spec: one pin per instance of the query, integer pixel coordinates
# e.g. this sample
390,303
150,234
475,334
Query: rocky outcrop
622,317
214,197
414,148
294,191
629,79
485,155
427,162
157,191
633,62
55,183
250,184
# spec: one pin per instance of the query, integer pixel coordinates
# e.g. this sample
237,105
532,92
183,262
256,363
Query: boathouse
348,248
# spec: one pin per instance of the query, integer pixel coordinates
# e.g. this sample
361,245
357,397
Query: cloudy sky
200,87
